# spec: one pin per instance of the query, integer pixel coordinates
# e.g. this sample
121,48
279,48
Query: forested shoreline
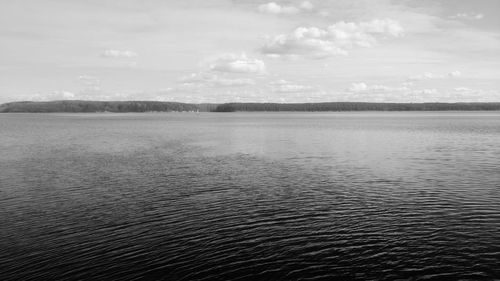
355,106
156,106
102,106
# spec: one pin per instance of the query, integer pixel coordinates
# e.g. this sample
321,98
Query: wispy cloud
232,63
363,87
283,86
430,75
89,81
212,80
468,16
277,9
273,8
455,73
461,89
111,53
90,84
306,5
425,92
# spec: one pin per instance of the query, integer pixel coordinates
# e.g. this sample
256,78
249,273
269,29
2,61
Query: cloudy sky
250,50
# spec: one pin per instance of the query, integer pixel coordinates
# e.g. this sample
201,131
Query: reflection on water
260,196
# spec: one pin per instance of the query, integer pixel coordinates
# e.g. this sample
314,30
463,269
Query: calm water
235,196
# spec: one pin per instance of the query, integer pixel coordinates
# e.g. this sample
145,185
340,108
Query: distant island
157,106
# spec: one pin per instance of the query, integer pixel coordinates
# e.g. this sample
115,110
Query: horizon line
258,102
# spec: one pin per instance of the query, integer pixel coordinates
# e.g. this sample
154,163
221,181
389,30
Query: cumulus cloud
283,86
111,53
277,9
358,87
408,84
64,94
88,81
425,76
363,87
430,75
362,91
226,70
426,92
306,5
462,89
336,39
91,85
231,63
382,93
464,94
460,94
468,16
273,8
55,95
82,95
212,80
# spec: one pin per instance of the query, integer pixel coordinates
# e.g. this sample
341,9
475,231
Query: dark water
299,196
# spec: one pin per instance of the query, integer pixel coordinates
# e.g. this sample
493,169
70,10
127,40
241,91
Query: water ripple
255,203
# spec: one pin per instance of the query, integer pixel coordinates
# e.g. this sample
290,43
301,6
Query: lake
250,196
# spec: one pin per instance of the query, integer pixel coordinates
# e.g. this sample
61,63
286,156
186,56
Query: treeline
354,106
156,106
100,106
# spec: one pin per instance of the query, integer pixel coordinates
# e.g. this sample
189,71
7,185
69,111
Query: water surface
258,196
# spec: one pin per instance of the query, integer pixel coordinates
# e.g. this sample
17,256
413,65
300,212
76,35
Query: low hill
355,106
157,106
97,106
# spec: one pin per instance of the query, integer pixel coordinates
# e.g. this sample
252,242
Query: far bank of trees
354,106
155,106
96,106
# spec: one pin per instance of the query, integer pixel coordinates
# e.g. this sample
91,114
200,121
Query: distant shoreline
78,106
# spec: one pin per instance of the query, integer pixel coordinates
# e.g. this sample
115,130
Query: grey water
250,196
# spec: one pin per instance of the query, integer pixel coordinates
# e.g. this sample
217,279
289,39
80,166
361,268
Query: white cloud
363,87
430,75
283,86
90,85
89,81
55,95
460,94
380,88
358,87
226,70
468,16
212,80
336,39
426,92
306,5
101,96
277,9
464,94
231,63
408,84
65,95
425,76
110,53
278,82
273,8
233,82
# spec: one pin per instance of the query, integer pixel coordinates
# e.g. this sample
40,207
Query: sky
250,50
